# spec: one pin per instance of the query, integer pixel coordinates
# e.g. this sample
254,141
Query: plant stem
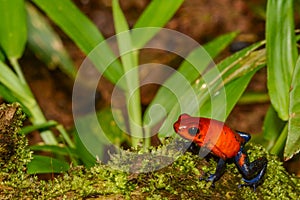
280,141
15,64
29,129
254,97
133,101
147,140
65,135
37,116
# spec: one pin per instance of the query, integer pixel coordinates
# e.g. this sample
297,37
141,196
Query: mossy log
179,180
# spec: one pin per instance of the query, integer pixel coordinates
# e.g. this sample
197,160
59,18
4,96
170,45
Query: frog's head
187,127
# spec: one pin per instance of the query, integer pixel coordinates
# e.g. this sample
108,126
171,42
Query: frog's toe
211,178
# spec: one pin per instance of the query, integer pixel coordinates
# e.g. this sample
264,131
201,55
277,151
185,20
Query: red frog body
224,143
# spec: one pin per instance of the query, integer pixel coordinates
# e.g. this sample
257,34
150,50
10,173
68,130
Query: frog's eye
193,131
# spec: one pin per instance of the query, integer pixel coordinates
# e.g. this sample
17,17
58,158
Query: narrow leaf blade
293,138
9,79
69,18
65,151
13,28
157,14
46,44
281,53
221,104
84,33
272,127
44,126
2,56
45,164
130,62
198,59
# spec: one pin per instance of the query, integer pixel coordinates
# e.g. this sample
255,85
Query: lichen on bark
14,154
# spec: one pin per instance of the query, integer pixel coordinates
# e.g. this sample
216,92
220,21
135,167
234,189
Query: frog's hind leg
256,180
252,172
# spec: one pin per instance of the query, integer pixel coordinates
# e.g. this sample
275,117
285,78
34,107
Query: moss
14,154
121,179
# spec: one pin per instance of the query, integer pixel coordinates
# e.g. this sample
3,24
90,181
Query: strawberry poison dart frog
224,143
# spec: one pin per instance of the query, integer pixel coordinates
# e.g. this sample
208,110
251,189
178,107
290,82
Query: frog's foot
250,183
254,182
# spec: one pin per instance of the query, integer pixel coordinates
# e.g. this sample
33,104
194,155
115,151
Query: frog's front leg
219,172
252,172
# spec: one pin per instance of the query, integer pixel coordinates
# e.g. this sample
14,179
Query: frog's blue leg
246,136
252,172
219,172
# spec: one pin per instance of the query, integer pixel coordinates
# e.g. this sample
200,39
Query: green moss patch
178,180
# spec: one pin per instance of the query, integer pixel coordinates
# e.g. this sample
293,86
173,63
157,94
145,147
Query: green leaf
293,138
45,126
115,131
65,135
219,105
277,148
22,93
46,44
233,91
44,164
272,127
81,151
100,131
281,53
196,61
6,94
214,100
119,18
129,60
84,33
2,57
9,79
254,97
157,14
214,47
13,30
53,149
73,22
